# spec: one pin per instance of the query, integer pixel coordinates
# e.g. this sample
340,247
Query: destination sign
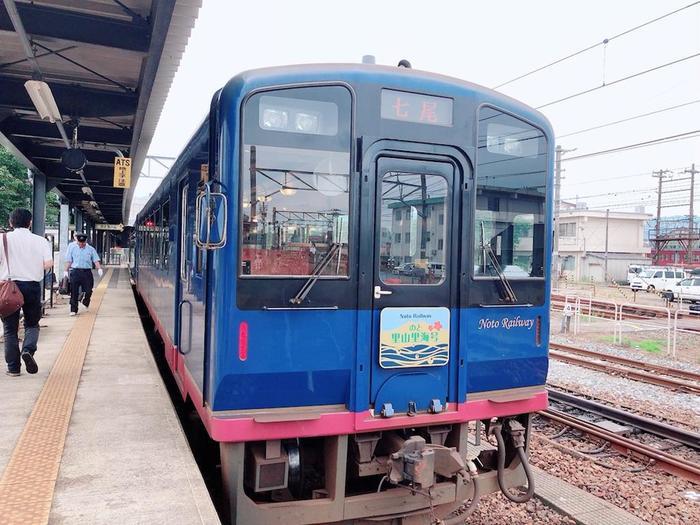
414,107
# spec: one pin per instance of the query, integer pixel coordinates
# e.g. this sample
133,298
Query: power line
603,42
641,202
653,142
628,119
590,90
676,188
611,193
605,179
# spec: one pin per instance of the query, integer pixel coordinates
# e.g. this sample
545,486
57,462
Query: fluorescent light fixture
42,98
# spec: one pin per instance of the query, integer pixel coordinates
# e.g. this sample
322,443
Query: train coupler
418,463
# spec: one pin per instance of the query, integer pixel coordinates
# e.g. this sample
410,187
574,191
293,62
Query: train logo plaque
414,337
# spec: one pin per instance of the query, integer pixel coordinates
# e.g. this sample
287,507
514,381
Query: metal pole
24,39
557,209
657,242
691,215
607,228
39,204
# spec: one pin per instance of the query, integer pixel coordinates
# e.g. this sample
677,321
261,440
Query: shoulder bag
11,298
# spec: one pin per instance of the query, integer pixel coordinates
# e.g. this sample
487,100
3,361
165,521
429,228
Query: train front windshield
295,183
296,202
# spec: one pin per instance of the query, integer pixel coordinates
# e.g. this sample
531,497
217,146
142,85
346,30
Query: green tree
16,190
53,206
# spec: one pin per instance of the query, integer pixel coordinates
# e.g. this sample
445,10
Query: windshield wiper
507,289
316,273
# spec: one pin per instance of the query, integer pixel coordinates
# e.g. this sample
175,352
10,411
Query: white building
582,236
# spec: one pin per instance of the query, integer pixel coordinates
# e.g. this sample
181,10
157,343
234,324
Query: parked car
437,269
685,290
404,269
656,278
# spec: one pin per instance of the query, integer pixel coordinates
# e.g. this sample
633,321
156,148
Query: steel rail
657,428
638,375
673,464
665,370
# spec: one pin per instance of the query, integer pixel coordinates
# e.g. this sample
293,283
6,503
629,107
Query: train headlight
275,119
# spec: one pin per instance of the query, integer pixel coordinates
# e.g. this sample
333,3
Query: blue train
350,268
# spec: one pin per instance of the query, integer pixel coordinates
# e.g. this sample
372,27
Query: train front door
413,286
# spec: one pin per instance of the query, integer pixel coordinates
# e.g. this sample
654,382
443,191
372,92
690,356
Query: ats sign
122,172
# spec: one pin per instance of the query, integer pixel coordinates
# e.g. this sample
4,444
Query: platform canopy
108,65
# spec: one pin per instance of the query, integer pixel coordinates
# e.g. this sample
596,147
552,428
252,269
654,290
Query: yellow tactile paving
27,485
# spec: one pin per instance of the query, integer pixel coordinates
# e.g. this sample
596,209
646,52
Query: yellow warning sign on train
122,172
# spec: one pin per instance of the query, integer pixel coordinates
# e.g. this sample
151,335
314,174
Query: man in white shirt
28,257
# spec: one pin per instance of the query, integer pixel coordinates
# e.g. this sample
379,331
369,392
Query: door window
413,207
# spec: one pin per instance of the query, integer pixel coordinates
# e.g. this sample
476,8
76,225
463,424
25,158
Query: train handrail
206,194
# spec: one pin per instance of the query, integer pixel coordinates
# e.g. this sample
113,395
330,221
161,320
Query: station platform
93,436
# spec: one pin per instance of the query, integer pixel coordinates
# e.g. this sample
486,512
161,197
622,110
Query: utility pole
660,174
557,206
691,216
607,229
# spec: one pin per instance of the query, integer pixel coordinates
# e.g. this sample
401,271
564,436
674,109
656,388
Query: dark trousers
80,280
31,290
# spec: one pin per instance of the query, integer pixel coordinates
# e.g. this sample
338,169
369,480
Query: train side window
184,244
157,245
164,235
295,183
149,240
511,178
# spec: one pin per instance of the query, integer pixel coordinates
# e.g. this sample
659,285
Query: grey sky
486,42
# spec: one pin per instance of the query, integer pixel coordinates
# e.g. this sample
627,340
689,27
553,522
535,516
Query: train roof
384,75
401,78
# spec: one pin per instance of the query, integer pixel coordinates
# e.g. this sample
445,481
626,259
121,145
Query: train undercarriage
396,477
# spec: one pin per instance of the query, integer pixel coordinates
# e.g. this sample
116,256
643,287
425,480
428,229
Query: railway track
665,370
627,446
673,378
650,426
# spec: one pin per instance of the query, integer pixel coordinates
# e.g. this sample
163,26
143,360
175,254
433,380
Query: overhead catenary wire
617,177
647,143
598,44
669,184
617,81
641,203
627,119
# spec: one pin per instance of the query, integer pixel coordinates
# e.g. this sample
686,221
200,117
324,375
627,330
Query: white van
634,270
685,290
657,278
